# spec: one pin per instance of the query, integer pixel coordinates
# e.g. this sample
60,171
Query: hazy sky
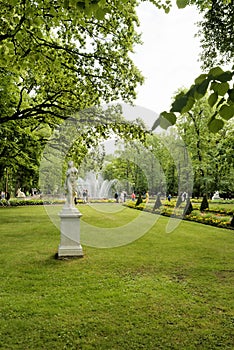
169,56
168,59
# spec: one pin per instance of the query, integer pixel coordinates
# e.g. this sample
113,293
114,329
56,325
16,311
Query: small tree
139,200
158,203
232,221
204,204
179,201
188,208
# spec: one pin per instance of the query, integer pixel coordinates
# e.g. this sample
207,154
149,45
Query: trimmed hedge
22,202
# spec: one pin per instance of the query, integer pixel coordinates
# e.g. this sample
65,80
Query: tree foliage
211,153
218,85
20,153
217,34
217,43
82,142
60,57
57,57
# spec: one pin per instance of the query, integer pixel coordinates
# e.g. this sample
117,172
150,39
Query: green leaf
200,79
231,94
213,99
156,124
181,3
227,111
179,103
215,72
220,88
164,123
223,88
66,3
165,120
192,90
214,86
226,76
189,105
215,125
202,88
171,117
100,14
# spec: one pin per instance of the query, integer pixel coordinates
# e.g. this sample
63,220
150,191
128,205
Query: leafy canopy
221,97
217,35
217,83
60,57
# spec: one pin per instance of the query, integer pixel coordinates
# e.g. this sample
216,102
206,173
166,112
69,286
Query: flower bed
210,219
218,219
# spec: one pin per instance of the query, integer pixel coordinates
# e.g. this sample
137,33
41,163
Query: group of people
83,195
120,198
133,196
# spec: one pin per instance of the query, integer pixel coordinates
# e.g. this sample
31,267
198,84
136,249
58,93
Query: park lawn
222,206
162,291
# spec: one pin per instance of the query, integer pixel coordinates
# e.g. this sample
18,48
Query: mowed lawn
162,291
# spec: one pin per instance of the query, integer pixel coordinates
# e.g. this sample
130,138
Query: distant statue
216,195
71,184
20,194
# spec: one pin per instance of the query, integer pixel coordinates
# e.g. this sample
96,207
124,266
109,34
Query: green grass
163,291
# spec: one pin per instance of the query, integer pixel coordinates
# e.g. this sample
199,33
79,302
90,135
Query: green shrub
23,202
158,203
232,221
204,204
139,200
141,206
179,201
189,208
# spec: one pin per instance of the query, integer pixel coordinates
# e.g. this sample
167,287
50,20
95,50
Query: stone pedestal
70,233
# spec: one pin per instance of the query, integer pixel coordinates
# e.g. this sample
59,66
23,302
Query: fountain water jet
97,187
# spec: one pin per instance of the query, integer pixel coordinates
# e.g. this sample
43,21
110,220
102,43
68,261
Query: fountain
97,187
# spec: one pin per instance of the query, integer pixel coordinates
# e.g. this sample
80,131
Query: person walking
116,197
147,197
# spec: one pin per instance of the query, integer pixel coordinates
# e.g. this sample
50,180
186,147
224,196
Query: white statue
70,218
70,184
216,195
20,194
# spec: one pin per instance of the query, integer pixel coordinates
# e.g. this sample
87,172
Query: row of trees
185,158
58,59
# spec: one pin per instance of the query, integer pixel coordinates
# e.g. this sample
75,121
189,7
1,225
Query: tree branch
13,32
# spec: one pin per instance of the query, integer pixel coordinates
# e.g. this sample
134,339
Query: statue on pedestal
70,184
216,195
20,194
70,218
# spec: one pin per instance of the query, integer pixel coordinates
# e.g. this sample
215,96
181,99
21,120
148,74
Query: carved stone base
70,233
